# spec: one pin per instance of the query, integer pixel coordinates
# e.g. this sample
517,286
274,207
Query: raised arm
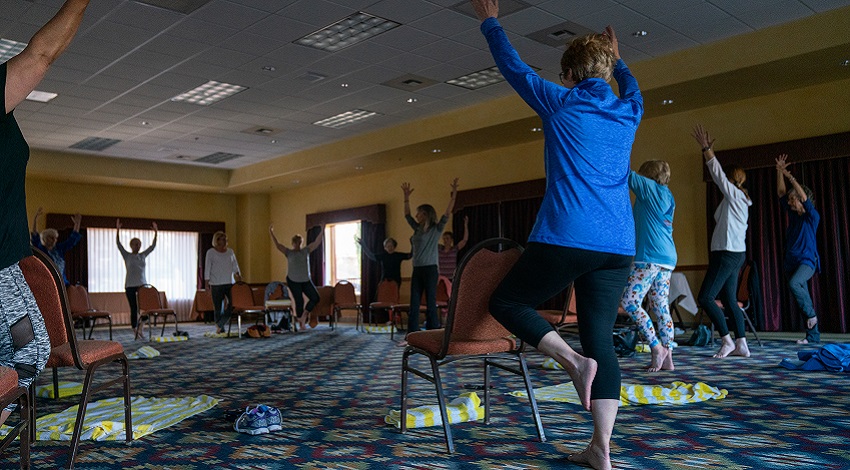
282,248
27,69
155,228
118,237
318,241
705,141
451,206
465,239
77,219
407,190
782,173
365,249
35,220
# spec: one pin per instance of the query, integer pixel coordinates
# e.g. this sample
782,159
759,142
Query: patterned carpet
334,388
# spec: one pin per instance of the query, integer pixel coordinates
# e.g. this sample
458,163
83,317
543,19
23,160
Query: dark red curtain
830,288
373,236
317,257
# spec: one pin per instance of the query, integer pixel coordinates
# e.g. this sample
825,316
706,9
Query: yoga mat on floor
145,352
378,329
677,393
467,407
169,339
66,389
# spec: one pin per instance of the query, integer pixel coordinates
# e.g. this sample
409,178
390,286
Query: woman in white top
135,262
728,250
220,271
298,274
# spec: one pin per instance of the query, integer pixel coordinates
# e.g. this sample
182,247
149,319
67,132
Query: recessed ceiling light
845,63
296,181
41,96
436,151
209,93
412,100
344,85
666,102
9,48
145,123
274,141
536,129
358,167
479,79
269,68
346,118
347,31
640,33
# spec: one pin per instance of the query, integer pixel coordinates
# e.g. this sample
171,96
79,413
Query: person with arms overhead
585,232
48,241
135,261
24,343
390,260
298,274
448,250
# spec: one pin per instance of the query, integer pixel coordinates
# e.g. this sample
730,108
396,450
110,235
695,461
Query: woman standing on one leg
423,244
585,232
298,274
801,246
24,343
448,250
655,259
135,263
220,271
728,250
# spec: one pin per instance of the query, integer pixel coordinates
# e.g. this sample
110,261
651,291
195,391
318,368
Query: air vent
506,7
94,143
218,157
261,131
560,34
311,77
410,82
180,6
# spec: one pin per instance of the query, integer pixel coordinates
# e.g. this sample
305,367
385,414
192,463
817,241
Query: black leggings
721,282
299,289
423,279
542,272
134,306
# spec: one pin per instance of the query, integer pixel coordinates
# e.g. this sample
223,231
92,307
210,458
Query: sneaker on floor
275,421
253,421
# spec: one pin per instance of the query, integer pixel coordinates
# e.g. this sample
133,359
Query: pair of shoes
260,420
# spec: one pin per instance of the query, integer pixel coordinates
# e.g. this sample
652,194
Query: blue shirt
653,210
801,246
57,254
589,133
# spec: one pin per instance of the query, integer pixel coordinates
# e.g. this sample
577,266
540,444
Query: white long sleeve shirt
220,267
731,216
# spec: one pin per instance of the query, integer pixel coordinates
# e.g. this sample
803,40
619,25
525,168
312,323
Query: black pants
721,282
219,294
134,305
542,272
423,279
299,289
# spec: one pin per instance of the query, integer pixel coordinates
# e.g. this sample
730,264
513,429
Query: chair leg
128,414
27,431
32,428
55,383
529,388
110,328
486,391
752,328
81,415
405,361
441,400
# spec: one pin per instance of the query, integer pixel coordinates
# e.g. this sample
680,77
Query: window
171,267
342,254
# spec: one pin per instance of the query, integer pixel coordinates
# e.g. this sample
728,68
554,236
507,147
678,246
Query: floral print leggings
652,279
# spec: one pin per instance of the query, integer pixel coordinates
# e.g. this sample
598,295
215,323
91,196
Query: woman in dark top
390,260
24,344
801,246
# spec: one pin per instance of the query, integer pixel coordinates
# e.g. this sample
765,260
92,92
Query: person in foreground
655,259
135,261
801,246
585,232
48,241
24,343
298,275
728,250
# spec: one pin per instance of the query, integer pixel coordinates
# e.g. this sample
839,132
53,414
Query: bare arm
486,9
706,142
118,236
405,187
465,239
155,235
27,69
782,173
318,241
451,206
76,219
35,220
283,249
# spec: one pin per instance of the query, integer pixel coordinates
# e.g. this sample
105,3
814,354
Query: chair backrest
344,293
444,289
387,292
48,288
78,299
476,278
326,301
744,283
242,295
148,298
276,290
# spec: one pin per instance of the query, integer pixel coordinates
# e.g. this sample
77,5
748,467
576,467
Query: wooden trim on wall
63,221
501,193
376,214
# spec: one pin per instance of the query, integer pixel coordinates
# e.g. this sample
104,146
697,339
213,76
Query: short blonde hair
589,56
218,235
657,170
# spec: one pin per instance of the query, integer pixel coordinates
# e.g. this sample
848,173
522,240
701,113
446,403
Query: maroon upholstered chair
385,300
345,298
10,393
48,288
82,311
153,305
568,316
243,304
471,333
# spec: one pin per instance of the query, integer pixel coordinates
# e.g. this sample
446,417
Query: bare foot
582,374
659,354
401,344
802,341
811,322
726,348
593,457
668,361
741,348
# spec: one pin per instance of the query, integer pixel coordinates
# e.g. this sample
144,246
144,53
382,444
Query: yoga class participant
448,250
135,262
298,275
220,271
390,260
47,241
585,232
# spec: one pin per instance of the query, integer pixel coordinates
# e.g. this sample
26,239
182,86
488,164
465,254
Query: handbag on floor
701,337
625,341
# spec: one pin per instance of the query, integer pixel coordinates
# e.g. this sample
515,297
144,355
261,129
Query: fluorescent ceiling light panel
41,96
219,157
347,31
346,118
94,143
209,93
180,6
9,49
479,79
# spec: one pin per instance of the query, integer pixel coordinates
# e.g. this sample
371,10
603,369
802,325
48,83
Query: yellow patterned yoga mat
210,334
66,389
145,352
677,393
169,339
467,407
105,418
379,329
